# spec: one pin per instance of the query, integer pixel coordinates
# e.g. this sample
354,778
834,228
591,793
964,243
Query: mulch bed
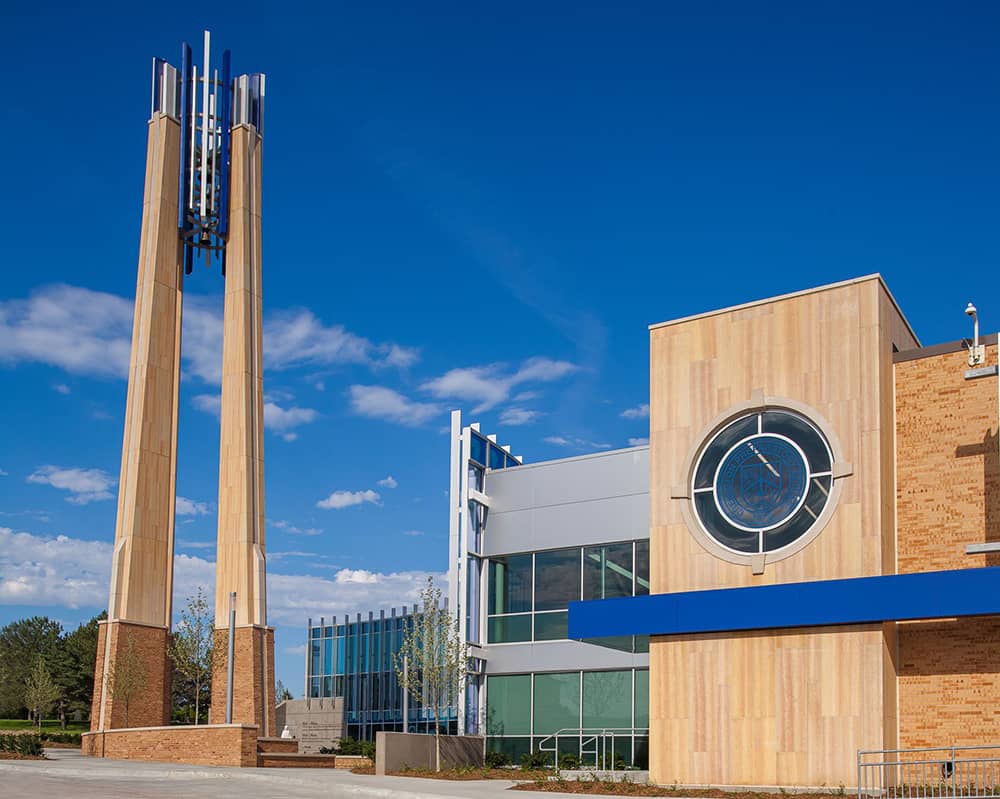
607,788
15,756
461,774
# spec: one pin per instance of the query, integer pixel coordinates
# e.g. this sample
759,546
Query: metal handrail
955,772
598,736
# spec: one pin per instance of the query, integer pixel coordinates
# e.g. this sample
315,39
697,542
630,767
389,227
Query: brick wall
205,745
253,678
148,706
948,496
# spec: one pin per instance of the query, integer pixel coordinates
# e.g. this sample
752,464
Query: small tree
437,659
127,677
40,691
192,646
281,693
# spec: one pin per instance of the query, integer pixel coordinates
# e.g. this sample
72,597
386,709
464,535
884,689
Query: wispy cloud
579,444
492,384
3,473
638,442
288,527
61,388
388,482
89,332
277,419
513,417
345,499
190,507
638,412
70,572
379,402
184,543
84,485
413,532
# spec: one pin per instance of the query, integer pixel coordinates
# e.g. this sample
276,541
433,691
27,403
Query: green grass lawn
51,725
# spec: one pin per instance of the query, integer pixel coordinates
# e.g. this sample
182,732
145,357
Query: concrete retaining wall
395,751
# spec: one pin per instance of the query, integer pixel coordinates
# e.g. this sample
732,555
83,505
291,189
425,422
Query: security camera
977,352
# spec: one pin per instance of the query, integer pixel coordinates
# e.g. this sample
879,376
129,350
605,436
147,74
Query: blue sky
465,206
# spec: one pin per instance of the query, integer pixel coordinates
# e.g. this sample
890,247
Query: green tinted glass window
607,571
509,629
641,698
557,578
557,702
607,698
641,568
510,584
551,626
508,705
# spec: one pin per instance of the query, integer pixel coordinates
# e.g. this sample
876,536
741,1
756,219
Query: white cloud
295,650
518,416
75,573
186,544
638,442
388,482
190,507
89,332
62,388
290,554
413,532
379,402
345,499
278,419
3,473
288,527
579,444
638,412
492,384
81,331
84,485
282,420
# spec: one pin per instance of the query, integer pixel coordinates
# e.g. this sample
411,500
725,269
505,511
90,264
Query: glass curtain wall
529,593
356,660
596,714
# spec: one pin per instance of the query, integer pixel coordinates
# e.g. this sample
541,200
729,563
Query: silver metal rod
406,696
213,108
231,653
194,127
204,125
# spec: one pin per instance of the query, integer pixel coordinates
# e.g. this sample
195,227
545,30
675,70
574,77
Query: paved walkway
70,775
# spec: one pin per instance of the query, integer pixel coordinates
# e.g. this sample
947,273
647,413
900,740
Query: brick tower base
253,678
150,702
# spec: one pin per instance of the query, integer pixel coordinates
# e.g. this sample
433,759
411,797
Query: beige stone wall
205,745
315,723
719,705
948,496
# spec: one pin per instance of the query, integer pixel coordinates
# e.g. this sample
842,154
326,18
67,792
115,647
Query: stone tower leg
142,567
240,563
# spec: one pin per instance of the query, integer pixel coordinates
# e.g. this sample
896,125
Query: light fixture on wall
977,351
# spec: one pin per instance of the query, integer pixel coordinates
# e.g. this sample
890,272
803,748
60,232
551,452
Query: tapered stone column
142,568
240,563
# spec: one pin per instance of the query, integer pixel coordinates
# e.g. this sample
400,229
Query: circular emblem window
762,482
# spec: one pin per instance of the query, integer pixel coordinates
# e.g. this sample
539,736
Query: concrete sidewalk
68,774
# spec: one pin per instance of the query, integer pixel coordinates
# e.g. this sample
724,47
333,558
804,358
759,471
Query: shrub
569,761
348,746
21,744
535,760
62,737
497,759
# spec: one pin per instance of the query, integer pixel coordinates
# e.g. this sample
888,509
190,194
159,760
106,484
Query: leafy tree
40,690
437,659
281,693
192,648
128,676
78,679
21,643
